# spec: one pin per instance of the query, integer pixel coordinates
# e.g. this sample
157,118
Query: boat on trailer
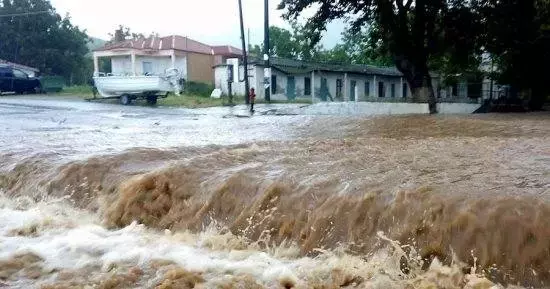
128,88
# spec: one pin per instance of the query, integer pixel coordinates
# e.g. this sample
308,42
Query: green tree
336,55
363,47
518,37
412,31
123,33
283,43
46,40
255,50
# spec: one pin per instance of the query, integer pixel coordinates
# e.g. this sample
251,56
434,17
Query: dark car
15,80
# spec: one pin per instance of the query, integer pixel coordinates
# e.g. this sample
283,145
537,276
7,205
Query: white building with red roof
153,55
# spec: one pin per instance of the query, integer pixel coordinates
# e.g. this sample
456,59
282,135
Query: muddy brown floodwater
385,202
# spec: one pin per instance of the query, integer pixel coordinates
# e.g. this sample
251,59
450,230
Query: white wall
122,65
360,85
380,108
181,65
221,75
457,108
388,81
258,83
331,83
159,64
257,78
220,78
282,81
280,90
362,108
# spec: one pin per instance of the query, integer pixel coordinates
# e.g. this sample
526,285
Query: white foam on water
71,239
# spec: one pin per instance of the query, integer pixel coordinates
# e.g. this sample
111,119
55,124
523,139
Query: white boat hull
114,86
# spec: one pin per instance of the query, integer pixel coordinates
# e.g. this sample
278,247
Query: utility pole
267,68
245,57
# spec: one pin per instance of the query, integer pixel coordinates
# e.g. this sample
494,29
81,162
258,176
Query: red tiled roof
227,50
175,42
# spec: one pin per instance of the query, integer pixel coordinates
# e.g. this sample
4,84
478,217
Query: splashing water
65,240
459,201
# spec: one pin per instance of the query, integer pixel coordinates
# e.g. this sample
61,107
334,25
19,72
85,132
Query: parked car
15,80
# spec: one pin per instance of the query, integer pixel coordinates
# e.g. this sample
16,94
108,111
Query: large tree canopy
356,47
518,38
123,33
46,40
286,43
413,31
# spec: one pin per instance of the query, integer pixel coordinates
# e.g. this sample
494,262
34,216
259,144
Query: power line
23,14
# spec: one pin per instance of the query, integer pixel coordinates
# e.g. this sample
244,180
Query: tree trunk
425,93
420,83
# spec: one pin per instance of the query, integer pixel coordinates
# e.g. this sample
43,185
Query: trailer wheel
152,100
125,99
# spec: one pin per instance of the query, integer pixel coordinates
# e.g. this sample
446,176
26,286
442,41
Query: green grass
195,101
78,91
190,101
187,100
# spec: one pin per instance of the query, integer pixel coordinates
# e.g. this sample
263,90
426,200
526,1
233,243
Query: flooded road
78,127
105,196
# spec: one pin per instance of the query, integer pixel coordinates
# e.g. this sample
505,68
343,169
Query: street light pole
245,57
267,68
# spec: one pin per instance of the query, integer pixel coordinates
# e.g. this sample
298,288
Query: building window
392,89
405,90
381,89
147,67
307,86
339,88
367,89
273,84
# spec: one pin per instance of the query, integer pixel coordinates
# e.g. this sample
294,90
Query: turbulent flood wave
376,209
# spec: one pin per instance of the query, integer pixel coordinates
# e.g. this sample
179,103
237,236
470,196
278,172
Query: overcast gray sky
213,22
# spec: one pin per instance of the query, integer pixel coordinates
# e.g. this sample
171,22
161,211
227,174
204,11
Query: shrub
197,88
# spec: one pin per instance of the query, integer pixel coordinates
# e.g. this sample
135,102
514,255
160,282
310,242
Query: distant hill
95,43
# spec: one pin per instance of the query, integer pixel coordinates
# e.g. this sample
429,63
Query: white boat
131,87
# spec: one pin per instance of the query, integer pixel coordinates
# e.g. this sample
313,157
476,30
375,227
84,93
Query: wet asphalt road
73,127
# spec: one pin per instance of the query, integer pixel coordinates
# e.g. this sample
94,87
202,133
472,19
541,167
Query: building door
273,84
352,86
381,89
307,86
290,88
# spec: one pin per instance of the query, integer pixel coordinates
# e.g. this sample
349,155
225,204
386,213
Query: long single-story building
291,79
154,55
